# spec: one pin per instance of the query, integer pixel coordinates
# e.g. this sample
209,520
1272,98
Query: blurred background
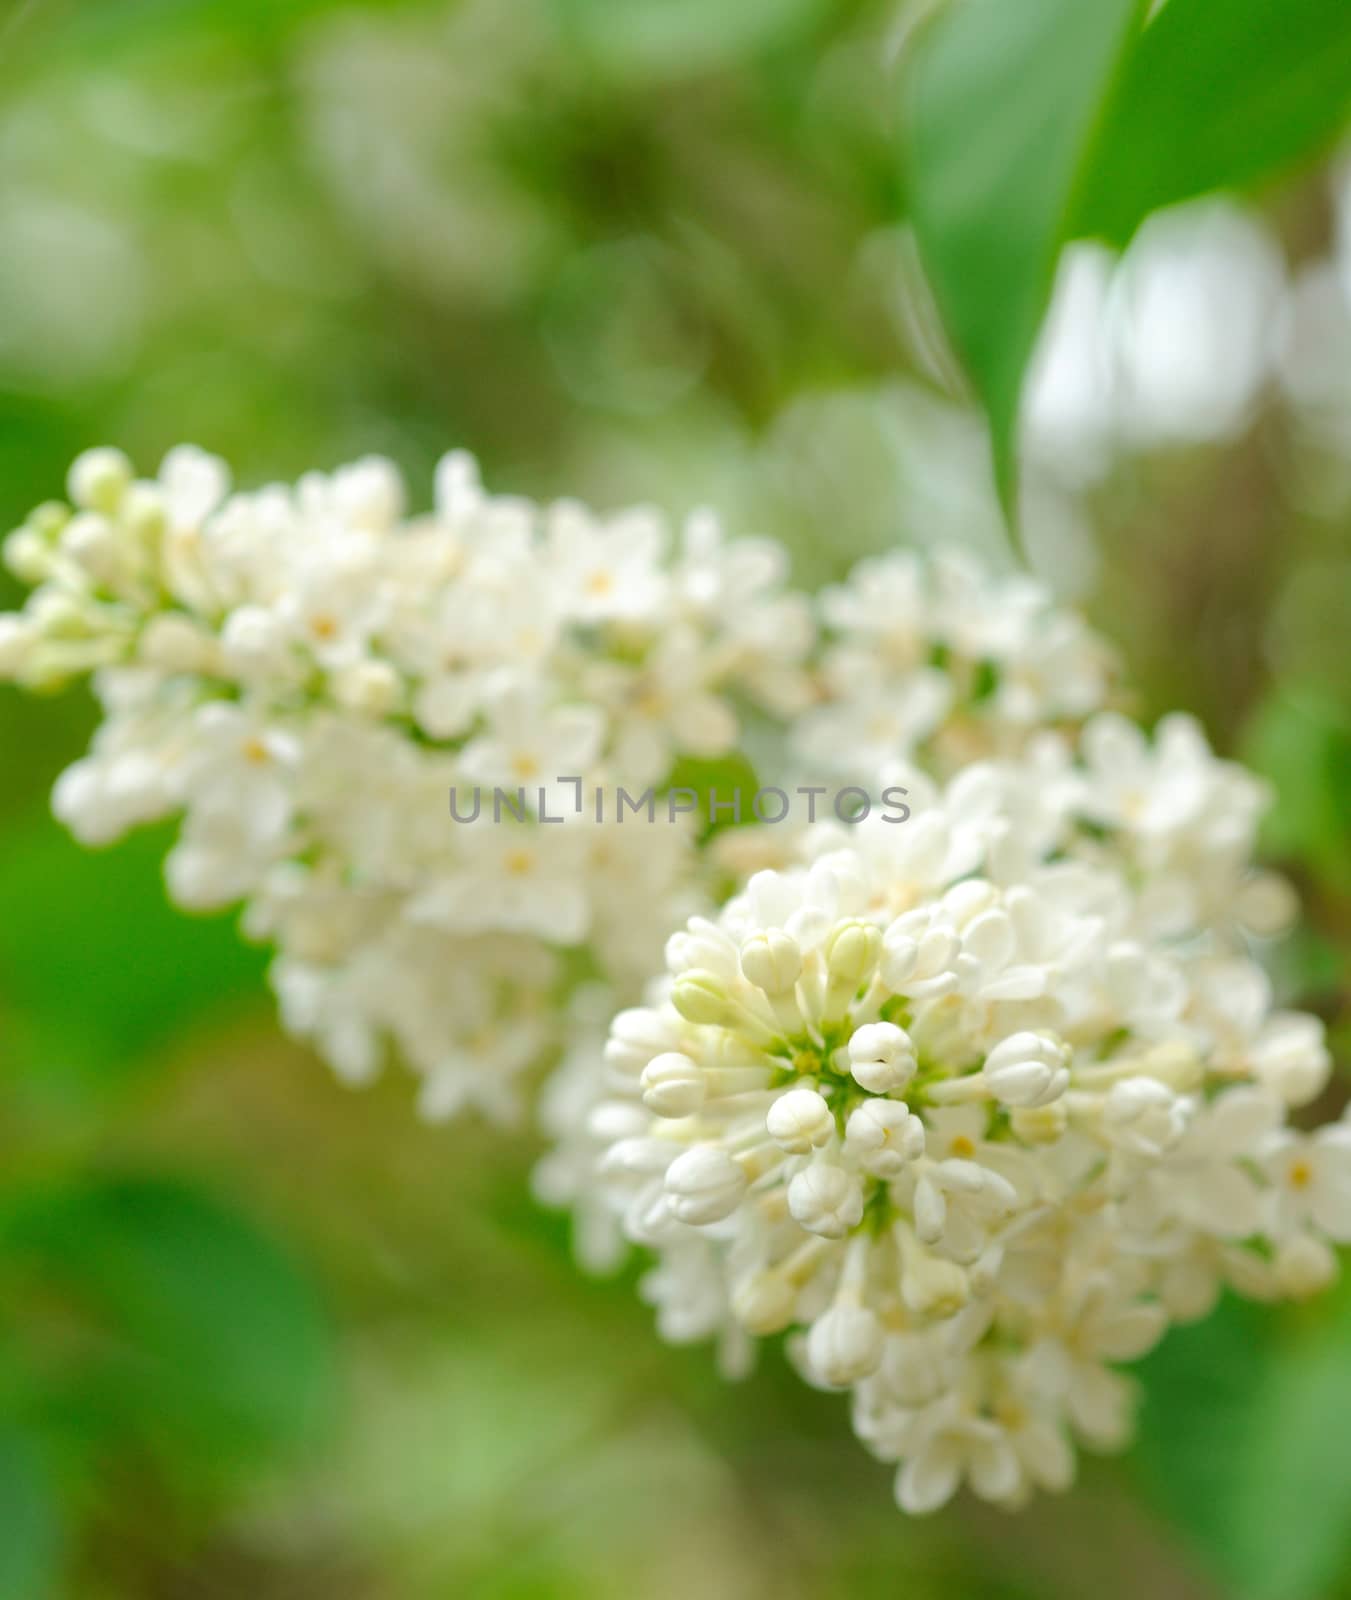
261,1337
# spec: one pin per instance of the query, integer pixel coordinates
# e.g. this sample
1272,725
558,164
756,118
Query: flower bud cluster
303,673
969,1128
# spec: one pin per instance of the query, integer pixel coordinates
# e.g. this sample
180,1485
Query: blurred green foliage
260,1337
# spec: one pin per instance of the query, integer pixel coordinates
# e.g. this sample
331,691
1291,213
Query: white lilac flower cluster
975,1107
938,659
970,1100
303,673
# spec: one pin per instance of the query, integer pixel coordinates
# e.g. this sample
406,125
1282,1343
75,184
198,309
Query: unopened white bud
61,615
764,1303
175,643
1267,904
883,1135
370,493
1143,1116
772,961
881,1057
142,510
48,519
16,644
701,945
900,952
923,964
1291,1057
93,543
844,1345
370,688
253,642
852,950
916,1368
673,1085
699,997
976,1181
930,1285
799,1121
636,1035
930,1210
965,901
1305,1266
28,555
1027,1069
826,1200
704,1184
637,1157
1176,1064
613,1120
1040,1124
98,479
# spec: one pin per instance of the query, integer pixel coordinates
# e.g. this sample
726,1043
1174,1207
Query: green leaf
1005,104
181,1324
1220,94
1243,1444
1300,739
30,1531
1196,1420
88,940
1292,1512
1050,120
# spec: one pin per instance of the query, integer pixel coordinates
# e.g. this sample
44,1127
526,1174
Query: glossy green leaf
1219,94
1052,120
1005,105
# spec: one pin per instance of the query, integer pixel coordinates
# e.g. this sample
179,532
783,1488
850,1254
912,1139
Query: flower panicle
971,1129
